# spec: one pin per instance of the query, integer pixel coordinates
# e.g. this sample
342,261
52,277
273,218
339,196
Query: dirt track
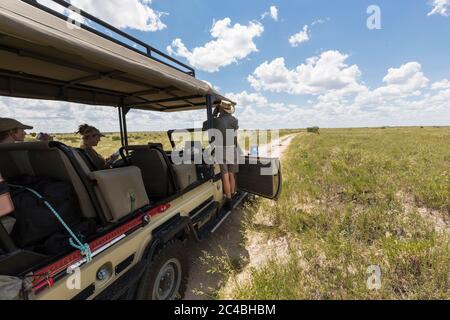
227,239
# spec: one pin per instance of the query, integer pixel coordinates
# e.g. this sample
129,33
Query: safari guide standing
227,157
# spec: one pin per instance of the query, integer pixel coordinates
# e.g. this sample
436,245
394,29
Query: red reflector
159,209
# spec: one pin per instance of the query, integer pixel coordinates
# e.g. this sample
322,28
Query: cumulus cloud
244,99
318,75
320,21
273,13
132,14
300,37
443,84
404,98
440,7
405,81
231,44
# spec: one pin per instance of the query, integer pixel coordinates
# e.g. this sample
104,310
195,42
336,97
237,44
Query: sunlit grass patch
342,204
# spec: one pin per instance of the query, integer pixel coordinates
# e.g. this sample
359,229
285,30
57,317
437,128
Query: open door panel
260,176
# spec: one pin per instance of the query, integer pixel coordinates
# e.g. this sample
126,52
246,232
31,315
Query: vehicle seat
157,171
8,222
85,159
120,191
42,159
186,174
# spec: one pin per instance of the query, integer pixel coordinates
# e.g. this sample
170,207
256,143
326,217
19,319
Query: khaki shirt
222,123
228,151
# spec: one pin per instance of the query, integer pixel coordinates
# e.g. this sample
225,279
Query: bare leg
226,184
232,183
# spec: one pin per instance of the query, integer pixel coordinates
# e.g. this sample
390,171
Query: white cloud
64,117
244,99
231,44
404,98
320,21
405,81
440,7
443,84
300,37
318,75
273,12
133,14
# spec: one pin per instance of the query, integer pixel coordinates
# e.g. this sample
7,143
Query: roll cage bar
123,111
149,52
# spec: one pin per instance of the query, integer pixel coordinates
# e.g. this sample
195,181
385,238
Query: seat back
43,160
155,171
120,191
186,174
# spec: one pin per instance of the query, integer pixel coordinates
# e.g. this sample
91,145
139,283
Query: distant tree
313,130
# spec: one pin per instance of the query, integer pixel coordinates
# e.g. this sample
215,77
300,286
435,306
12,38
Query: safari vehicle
146,207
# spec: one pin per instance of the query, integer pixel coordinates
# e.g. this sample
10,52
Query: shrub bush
313,130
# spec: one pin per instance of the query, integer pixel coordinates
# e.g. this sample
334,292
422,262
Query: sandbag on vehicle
12,288
34,220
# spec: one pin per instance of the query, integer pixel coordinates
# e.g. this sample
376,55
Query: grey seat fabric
186,174
8,222
155,172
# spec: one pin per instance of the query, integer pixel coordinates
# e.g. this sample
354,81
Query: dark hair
84,129
5,134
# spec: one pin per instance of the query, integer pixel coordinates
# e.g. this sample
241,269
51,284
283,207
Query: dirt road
228,241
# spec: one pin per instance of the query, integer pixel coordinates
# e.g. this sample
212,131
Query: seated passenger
91,137
12,131
6,204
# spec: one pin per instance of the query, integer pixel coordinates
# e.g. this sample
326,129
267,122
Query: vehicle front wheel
165,278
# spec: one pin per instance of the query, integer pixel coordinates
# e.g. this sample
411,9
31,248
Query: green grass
111,142
343,203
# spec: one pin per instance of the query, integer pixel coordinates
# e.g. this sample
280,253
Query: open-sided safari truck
127,237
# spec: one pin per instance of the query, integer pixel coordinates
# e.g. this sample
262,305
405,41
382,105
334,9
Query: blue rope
84,248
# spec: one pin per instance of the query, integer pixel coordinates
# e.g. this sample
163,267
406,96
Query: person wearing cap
12,131
91,137
224,121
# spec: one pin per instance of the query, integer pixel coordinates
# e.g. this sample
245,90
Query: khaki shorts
229,168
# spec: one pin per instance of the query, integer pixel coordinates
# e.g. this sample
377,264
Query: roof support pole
123,111
121,126
209,110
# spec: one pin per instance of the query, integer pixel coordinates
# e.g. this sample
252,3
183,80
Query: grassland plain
353,198
111,142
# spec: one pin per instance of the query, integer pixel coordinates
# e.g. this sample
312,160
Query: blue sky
340,73
407,34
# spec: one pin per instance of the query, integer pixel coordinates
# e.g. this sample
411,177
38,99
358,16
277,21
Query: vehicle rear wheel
165,278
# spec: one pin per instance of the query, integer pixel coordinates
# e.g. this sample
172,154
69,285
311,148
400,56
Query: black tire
166,277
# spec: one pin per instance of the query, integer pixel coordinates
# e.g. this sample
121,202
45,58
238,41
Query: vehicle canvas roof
44,57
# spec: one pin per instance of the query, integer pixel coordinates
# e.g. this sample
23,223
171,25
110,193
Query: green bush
313,130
